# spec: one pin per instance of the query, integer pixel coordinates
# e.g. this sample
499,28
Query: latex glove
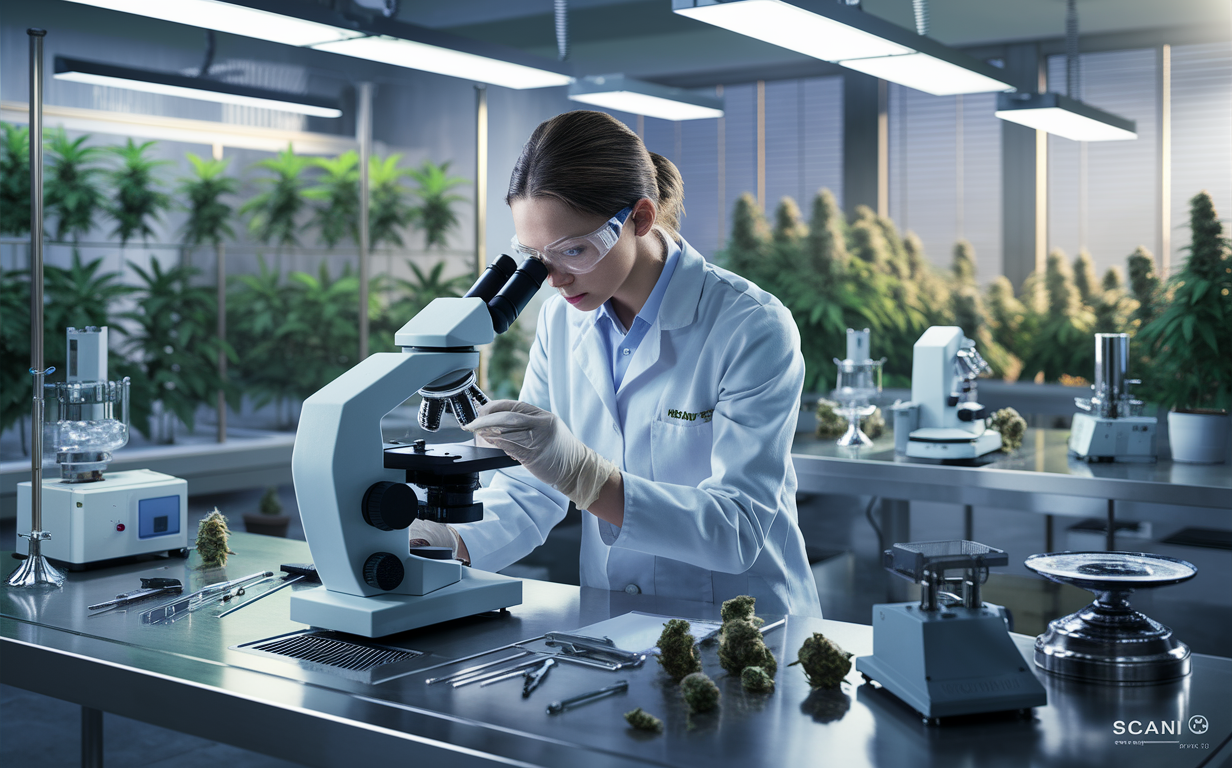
540,441
425,533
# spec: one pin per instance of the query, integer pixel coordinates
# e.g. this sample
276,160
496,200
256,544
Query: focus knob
383,570
390,506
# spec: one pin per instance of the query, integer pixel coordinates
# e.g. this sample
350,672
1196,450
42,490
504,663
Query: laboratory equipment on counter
1108,641
535,677
295,573
100,518
952,653
950,423
859,381
1111,426
34,570
357,495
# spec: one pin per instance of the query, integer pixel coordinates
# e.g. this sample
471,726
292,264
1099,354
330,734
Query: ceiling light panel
928,74
203,89
233,19
445,61
1064,117
791,27
638,97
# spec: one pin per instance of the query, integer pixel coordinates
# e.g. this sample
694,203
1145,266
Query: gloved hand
425,533
541,442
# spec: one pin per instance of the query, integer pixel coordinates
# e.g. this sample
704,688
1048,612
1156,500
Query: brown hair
593,163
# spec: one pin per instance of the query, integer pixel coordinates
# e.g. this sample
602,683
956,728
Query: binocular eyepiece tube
507,288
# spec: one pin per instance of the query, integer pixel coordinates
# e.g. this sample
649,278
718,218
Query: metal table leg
968,523
91,738
895,515
1110,542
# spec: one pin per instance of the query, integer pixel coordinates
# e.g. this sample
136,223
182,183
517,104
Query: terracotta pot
267,525
1198,438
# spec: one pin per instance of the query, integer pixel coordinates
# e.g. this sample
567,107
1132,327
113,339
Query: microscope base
387,614
932,443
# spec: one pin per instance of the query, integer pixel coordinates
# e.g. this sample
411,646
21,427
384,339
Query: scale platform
938,443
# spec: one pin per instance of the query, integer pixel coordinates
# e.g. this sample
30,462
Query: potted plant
72,193
1190,343
270,519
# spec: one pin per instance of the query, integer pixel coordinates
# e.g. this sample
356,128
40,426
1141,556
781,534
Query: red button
119,526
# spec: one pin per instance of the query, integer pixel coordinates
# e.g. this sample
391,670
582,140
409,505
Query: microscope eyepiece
516,293
492,279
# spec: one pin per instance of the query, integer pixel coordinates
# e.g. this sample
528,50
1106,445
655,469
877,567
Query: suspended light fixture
1066,116
641,98
231,18
848,36
382,40
202,88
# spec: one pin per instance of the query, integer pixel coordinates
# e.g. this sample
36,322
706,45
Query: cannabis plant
1061,332
274,212
16,389
507,362
172,341
209,218
418,292
1190,341
1006,315
932,291
388,207
1111,305
826,247
336,215
434,213
968,309
72,191
1143,286
749,247
136,201
324,310
15,180
1084,278
258,310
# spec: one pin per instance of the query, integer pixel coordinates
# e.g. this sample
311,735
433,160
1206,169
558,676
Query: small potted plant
1189,343
270,519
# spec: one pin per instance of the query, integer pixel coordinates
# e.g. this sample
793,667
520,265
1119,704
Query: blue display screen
158,517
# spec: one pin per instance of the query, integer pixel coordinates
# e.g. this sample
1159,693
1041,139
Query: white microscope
946,422
357,495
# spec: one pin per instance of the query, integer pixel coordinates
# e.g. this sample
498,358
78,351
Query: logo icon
1198,725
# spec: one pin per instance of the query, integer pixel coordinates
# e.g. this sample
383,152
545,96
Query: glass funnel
857,384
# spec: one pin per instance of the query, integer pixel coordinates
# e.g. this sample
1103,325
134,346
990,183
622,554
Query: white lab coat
711,394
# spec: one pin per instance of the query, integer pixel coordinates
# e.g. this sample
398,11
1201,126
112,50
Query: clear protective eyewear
581,253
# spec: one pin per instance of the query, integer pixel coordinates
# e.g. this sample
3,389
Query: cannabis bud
1011,426
644,721
825,664
756,680
700,692
740,643
212,534
740,608
677,653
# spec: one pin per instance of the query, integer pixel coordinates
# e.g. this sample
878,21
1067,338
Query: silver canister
1111,356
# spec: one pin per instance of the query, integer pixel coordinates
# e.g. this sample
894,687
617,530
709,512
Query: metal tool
296,572
472,670
495,673
951,654
556,707
580,645
535,677
1111,426
192,602
1108,641
149,588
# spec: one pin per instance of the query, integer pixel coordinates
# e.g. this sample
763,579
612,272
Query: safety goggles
579,254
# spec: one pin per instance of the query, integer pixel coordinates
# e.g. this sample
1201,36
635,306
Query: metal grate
323,648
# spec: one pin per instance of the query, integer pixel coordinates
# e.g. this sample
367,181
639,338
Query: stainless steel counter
1039,477
187,676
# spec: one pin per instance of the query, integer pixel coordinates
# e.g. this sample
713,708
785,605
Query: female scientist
660,396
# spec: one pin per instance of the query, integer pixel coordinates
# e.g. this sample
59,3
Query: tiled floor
37,731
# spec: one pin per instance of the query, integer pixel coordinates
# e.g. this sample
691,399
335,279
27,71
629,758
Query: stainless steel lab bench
1039,477
188,676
